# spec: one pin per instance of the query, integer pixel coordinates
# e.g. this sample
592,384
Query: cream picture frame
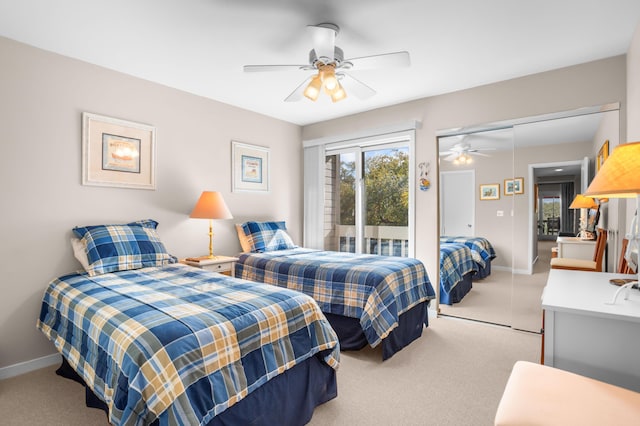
250,167
117,153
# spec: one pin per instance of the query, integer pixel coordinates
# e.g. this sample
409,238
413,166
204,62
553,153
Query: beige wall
590,84
42,96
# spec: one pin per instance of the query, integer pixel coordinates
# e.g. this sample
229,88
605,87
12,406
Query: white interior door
457,203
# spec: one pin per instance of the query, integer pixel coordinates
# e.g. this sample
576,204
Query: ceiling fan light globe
313,89
328,76
330,83
338,93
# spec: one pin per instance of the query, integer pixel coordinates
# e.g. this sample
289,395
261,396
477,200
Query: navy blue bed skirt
287,399
410,325
483,271
458,292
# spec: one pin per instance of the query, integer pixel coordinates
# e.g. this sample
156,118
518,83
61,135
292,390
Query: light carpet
453,375
507,299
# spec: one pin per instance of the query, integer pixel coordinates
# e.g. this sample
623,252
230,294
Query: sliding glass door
367,198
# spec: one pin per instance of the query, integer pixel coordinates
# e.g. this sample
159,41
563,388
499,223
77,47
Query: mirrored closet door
509,185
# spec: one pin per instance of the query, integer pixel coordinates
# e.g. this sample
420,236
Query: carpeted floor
453,375
506,299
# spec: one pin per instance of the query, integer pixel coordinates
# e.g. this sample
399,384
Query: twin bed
482,252
462,260
159,342
368,299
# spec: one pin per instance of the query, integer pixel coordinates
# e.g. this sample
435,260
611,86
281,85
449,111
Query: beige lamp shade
582,202
211,205
619,176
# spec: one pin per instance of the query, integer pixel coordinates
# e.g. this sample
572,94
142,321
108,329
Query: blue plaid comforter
178,343
374,289
455,262
481,249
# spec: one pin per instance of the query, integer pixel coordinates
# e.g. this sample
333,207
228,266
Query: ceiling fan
328,61
461,153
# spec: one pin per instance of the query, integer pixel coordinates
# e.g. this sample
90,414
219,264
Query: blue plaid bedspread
455,262
179,343
481,249
374,289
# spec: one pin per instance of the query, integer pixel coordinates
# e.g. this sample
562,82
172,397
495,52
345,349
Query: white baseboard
513,271
28,366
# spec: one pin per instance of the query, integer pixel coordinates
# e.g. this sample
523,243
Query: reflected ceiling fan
328,61
461,153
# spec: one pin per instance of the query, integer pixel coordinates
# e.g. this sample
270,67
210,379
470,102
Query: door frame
533,220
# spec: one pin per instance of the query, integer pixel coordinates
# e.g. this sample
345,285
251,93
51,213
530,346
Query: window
367,198
550,215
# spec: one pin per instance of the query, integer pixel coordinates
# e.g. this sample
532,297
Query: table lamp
211,206
619,177
582,202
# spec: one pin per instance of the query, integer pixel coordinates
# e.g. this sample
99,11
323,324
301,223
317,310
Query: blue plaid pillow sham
112,248
267,236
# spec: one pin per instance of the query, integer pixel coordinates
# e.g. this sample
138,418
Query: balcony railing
381,240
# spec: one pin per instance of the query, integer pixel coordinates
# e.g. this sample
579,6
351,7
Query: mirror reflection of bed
534,150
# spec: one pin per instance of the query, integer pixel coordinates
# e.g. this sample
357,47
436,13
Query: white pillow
80,252
244,240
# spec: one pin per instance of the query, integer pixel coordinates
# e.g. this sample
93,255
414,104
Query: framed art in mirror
603,154
490,191
514,186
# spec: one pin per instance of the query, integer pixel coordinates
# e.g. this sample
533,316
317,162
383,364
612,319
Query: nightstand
222,264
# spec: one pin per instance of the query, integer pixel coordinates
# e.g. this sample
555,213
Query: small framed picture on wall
490,191
250,167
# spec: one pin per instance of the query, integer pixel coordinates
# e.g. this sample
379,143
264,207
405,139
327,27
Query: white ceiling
200,46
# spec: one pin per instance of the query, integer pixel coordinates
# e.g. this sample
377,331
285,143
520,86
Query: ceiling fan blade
452,157
323,37
446,153
478,154
385,60
356,87
269,68
298,93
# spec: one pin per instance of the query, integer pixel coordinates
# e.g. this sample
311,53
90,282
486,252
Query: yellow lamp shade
619,176
582,202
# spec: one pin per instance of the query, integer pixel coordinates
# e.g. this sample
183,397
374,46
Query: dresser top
588,293
575,240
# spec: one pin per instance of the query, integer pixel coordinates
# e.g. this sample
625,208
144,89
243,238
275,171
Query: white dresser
585,335
576,248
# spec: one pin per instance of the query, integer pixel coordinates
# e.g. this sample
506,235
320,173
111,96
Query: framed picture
603,154
518,185
514,186
490,191
250,171
509,187
117,153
